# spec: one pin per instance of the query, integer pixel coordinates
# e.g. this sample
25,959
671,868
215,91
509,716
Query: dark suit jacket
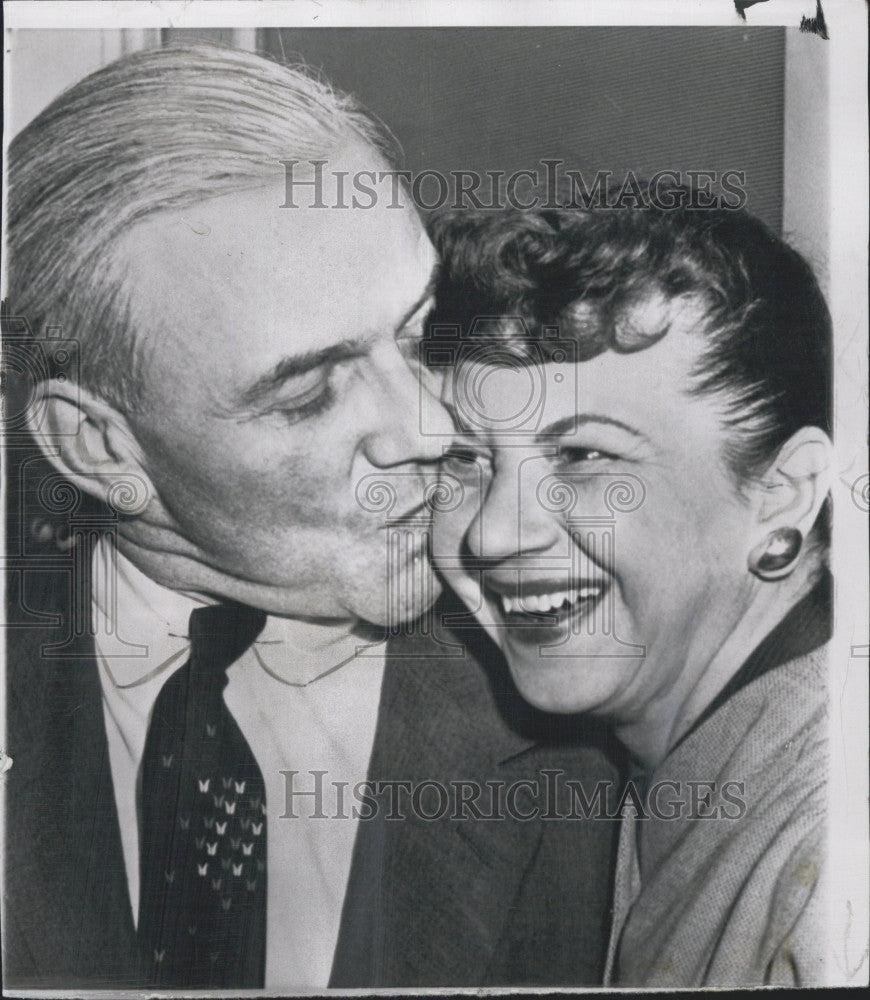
449,902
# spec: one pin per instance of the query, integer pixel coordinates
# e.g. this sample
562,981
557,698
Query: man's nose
511,522
411,423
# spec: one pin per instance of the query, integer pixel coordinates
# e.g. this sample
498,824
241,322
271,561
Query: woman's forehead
649,389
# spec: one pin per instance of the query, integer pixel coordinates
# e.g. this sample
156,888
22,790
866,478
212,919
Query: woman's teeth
544,603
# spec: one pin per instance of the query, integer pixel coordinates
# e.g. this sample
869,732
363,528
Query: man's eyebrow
299,364
566,425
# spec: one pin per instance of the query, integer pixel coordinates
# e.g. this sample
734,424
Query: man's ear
90,442
796,483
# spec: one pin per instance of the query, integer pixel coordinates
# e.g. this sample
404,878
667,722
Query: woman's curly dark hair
514,276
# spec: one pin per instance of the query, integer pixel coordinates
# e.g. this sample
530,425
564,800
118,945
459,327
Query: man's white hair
156,130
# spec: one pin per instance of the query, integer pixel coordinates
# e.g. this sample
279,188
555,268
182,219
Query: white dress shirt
326,724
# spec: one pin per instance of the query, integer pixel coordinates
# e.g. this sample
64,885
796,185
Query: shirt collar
138,623
141,627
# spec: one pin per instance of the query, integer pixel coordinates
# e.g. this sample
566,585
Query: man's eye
313,400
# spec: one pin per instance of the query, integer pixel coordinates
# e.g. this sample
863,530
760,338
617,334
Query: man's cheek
277,480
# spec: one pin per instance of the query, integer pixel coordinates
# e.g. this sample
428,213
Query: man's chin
404,600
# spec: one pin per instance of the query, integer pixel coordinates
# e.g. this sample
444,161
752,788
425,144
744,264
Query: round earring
773,558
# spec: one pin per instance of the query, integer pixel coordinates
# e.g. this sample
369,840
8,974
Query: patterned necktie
202,860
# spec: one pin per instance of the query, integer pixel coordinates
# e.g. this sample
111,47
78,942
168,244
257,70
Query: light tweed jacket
735,901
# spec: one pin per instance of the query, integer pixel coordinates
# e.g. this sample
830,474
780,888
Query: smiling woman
645,533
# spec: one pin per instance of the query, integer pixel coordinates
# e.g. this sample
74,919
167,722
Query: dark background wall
645,99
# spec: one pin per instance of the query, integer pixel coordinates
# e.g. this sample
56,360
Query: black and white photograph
435,490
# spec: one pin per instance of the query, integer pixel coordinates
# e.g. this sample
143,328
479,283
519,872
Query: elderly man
232,379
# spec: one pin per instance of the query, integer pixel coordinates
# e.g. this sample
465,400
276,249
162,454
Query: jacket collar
428,899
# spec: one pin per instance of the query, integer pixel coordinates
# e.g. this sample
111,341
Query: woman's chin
562,684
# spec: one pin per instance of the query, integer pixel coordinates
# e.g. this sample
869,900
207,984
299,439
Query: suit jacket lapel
427,899
69,899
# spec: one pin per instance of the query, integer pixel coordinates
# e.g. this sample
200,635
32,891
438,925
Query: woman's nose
511,521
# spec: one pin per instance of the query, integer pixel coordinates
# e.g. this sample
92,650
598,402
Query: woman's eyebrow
566,425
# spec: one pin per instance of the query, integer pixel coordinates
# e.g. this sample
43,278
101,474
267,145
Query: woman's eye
572,456
462,455
461,458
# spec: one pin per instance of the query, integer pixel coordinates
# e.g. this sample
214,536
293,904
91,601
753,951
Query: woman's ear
796,482
788,502
90,442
